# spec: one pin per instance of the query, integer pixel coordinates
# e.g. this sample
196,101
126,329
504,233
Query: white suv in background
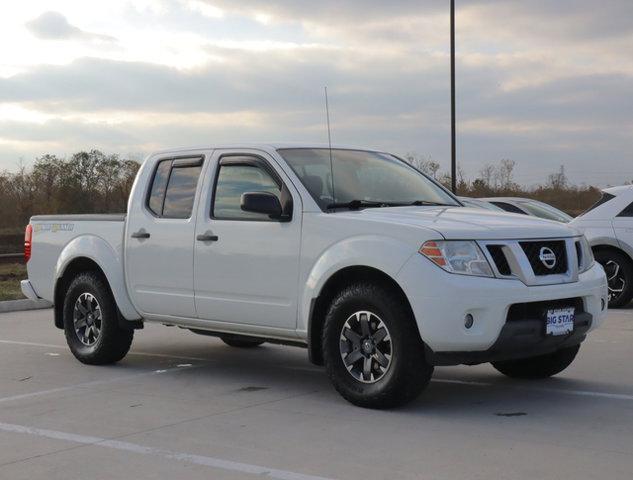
608,226
529,206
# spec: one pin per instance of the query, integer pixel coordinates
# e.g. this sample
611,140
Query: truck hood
455,223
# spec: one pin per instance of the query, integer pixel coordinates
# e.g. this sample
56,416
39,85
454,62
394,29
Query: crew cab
379,271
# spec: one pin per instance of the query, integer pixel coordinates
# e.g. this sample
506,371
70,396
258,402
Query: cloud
540,82
55,26
249,96
205,9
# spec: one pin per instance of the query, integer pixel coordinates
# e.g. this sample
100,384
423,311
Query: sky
539,82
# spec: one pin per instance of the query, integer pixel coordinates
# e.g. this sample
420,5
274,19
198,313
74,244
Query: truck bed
54,236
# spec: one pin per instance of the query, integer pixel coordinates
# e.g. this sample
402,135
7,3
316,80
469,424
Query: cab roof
265,146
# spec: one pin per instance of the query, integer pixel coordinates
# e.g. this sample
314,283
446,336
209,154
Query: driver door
246,265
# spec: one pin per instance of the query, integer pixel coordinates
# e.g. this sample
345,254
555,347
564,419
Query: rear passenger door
160,236
246,265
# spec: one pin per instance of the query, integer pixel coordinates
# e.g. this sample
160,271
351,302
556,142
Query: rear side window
627,212
181,191
508,207
604,199
157,194
174,188
233,181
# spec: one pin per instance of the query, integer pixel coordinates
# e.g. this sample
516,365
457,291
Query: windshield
369,178
547,212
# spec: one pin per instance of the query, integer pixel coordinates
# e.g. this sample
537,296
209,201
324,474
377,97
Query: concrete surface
182,406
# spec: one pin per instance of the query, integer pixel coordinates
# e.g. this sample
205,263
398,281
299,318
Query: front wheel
542,366
91,322
373,353
619,271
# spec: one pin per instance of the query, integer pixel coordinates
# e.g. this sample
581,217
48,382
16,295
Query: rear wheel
619,270
542,366
91,322
372,350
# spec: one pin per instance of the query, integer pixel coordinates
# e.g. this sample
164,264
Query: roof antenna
329,141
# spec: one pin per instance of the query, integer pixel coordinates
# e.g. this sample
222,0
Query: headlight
586,255
457,256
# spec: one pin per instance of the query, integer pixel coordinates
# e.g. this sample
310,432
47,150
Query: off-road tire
113,342
407,375
543,366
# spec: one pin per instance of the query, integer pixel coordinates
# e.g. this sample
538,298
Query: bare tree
505,174
488,175
425,165
558,180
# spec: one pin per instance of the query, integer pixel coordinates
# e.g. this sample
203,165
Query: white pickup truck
378,270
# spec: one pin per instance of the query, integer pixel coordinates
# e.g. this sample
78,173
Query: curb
24,304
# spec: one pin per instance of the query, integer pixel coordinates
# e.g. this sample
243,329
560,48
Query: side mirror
261,202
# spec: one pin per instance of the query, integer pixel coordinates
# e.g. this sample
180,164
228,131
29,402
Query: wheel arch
91,253
338,280
602,247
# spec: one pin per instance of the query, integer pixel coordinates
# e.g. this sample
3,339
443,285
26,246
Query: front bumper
441,301
517,340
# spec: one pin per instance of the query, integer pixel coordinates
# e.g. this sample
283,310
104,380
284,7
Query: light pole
453,135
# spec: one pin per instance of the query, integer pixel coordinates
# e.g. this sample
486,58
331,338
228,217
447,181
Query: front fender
109,261
380,252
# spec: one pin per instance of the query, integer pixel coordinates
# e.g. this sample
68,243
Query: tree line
85,182
95,182
497,180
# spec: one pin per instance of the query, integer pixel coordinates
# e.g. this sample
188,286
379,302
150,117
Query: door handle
141,234
207,237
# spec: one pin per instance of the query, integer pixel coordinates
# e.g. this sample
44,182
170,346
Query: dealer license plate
560,321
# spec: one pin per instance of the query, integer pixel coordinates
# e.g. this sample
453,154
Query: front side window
174,188
232,182
360,176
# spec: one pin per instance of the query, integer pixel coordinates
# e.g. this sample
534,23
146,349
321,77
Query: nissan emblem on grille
547,257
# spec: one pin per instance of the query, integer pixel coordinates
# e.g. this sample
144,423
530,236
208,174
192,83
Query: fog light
468,320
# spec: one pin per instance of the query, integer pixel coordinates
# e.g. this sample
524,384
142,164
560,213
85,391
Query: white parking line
582,393
461,382
90,384
144,354
167,454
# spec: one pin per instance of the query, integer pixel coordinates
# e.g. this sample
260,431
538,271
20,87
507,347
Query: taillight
28,237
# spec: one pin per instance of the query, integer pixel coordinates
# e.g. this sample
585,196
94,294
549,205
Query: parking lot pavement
187,406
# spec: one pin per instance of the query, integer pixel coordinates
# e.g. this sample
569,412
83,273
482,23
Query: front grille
496,252
537,310
533,251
